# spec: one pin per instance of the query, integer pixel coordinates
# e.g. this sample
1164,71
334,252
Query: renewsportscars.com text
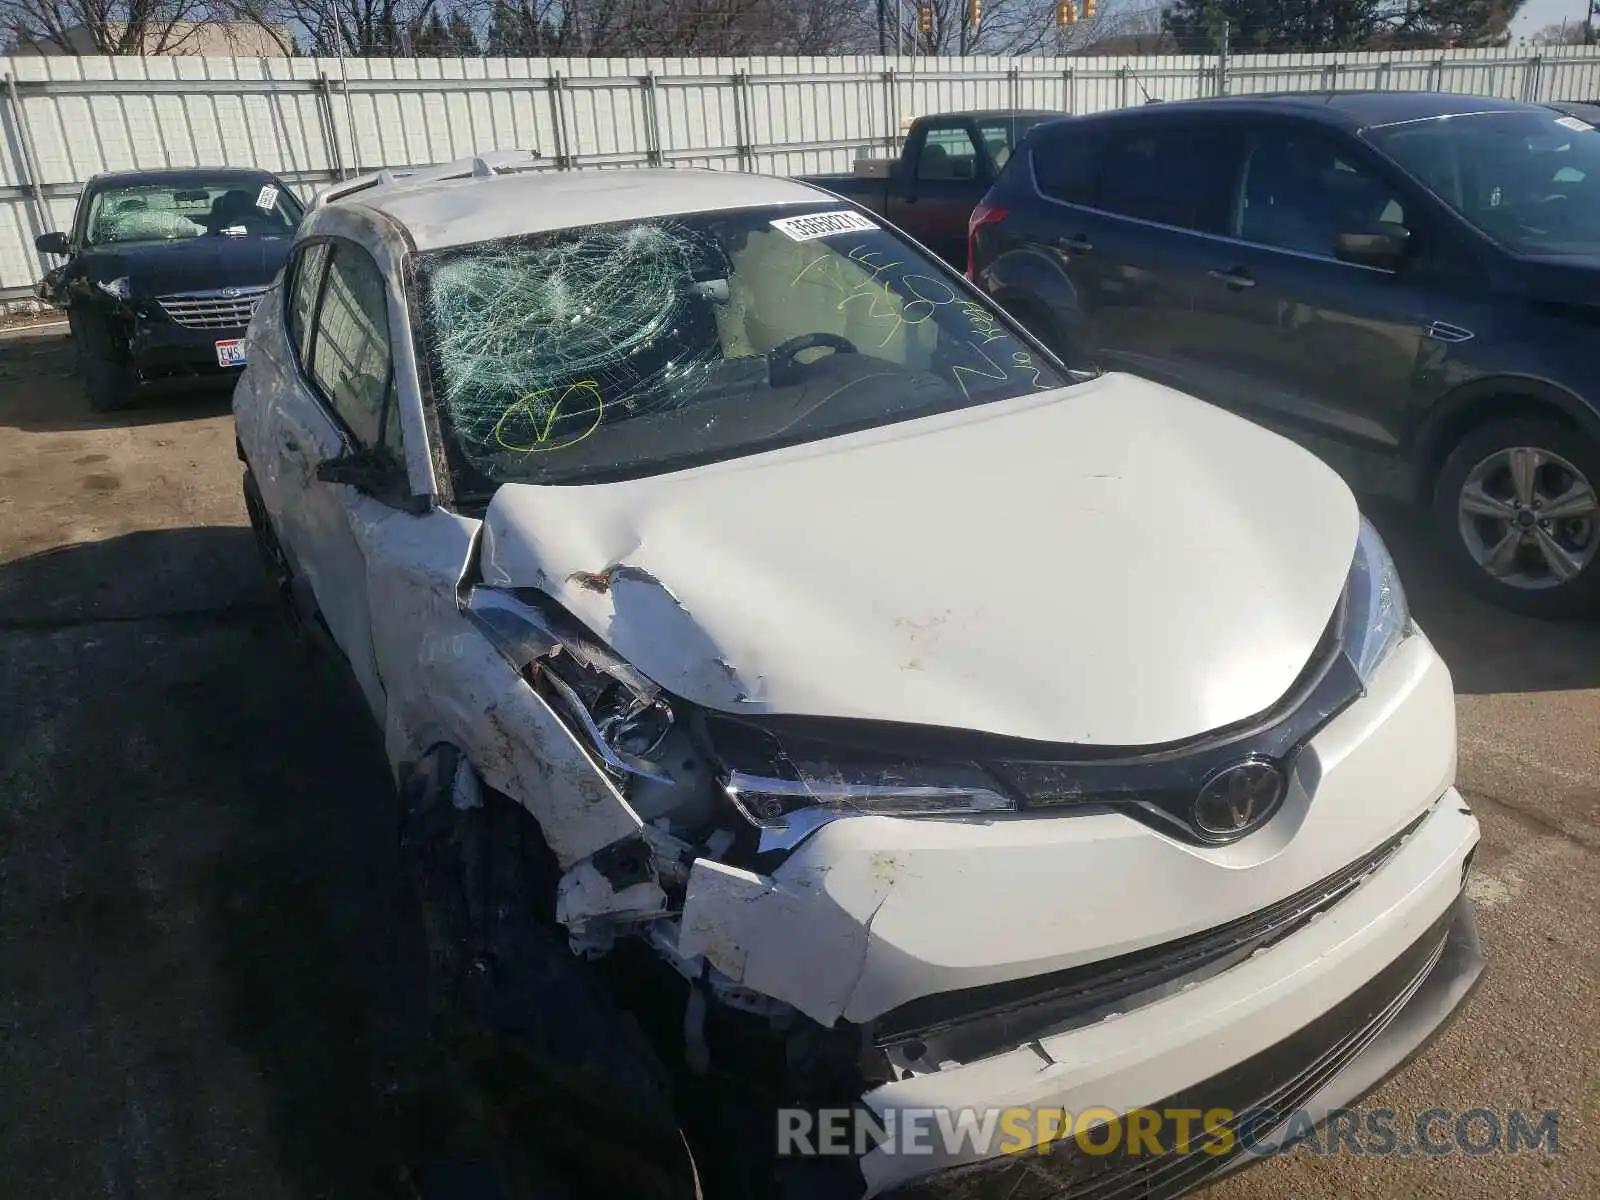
1377,1132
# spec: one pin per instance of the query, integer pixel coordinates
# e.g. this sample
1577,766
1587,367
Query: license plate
230,353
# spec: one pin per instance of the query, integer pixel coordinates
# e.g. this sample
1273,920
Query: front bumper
1327,1065
159,348
1309,1024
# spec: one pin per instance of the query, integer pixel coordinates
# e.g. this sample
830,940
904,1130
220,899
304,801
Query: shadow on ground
27,356
1489,651
207,956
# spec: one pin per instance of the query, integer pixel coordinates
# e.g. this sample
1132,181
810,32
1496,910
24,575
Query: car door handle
1235,278
289,444
1076,244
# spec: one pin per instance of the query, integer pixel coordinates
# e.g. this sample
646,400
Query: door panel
1287,332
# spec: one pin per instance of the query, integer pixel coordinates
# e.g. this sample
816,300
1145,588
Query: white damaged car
916,726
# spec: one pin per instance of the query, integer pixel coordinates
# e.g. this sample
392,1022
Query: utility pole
1589,22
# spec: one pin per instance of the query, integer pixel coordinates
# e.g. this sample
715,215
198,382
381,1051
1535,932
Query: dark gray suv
1408,283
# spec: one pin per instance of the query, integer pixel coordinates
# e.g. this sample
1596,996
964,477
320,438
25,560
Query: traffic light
974,12
1067,12
924,18
1088,10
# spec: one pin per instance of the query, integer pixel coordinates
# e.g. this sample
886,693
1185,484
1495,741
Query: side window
1066,166
1166,172
350,354
948,153
1299,192
305,279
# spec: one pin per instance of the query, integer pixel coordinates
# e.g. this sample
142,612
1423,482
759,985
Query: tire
1526,576
109,378
566,1096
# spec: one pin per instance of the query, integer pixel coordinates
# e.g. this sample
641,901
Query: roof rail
485,165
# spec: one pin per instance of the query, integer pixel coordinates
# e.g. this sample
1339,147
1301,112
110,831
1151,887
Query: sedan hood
1111,564
198,264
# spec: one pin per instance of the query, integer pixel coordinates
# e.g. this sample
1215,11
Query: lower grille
1263,1092
977,1022
211,310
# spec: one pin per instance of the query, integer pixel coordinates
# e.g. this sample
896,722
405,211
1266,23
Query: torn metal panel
760,585
786,940
445,683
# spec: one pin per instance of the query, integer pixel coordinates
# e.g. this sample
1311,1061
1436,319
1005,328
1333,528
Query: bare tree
1563,33
103,26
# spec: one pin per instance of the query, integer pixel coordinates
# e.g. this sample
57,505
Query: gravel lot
204,954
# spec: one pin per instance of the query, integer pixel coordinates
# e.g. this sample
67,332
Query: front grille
211,310
976,1022
1262,1092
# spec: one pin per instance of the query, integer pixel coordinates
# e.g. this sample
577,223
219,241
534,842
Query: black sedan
163,271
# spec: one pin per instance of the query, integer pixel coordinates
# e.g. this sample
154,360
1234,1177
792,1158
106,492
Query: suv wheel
108,376
1517,508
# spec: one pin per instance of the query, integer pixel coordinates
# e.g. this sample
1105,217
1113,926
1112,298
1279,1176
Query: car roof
180,175
442,213
1353,110
1584,110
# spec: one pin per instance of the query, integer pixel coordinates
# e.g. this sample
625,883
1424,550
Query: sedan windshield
621,350
1530,180
170,211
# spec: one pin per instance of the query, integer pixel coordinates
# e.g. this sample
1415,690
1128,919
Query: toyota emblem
1238,798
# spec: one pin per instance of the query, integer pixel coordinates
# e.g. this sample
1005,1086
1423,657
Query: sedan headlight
120,288
1377,618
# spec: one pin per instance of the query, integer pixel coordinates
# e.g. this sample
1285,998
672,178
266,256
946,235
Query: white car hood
1110,564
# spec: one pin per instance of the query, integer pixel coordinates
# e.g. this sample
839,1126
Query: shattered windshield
166,211
1530,180
628,349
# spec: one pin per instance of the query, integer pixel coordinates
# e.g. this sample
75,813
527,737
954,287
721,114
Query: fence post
32,180
1438,75
1122,86
330,122
741,126
891,110
1067,90
1014,86
652,121
1532,69
1224,59
565,156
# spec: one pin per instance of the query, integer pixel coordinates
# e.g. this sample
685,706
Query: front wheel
107,375
1517,510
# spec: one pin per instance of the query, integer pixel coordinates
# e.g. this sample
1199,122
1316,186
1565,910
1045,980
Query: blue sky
1536,14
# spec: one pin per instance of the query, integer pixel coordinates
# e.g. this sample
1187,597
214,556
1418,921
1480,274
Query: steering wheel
782,357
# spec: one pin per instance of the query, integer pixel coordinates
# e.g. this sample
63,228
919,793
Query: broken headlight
771,780
620,715
1377,618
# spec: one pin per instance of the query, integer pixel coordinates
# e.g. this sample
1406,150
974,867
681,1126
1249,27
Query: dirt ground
206,963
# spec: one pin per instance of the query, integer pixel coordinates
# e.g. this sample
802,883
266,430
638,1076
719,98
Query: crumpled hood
197,264
1109,564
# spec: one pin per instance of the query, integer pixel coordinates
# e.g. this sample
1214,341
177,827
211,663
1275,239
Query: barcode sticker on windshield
1573,123
821,225
266,197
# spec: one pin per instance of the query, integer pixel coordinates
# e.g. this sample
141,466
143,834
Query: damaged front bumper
1009,960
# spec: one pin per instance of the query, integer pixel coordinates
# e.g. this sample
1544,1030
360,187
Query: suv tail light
984,214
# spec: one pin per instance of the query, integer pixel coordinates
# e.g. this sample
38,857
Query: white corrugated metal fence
316,120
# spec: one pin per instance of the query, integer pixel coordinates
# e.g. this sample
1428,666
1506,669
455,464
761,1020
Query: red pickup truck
947,165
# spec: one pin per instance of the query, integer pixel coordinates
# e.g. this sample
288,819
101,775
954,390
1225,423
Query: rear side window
1066,166
350,359
1166,172
1170,174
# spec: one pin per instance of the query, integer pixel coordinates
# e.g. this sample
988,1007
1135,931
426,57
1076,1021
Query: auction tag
230,353
266,197
1573,123
821,225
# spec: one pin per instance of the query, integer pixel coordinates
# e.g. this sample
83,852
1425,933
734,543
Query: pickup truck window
621,350
949,153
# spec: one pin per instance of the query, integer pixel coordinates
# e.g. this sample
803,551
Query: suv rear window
1168,172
